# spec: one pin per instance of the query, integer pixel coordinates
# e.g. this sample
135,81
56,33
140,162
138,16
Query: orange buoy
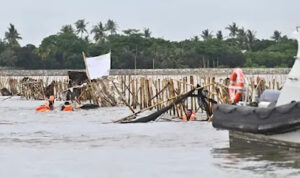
236,85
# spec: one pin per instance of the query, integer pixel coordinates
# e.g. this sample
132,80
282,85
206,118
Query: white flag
98,66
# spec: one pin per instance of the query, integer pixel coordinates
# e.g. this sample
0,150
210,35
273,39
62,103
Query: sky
169,19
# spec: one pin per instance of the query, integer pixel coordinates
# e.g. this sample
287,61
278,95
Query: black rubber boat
272,120
276,123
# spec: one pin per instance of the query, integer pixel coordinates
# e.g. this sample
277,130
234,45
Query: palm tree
195,38
219,35
99,32
242,38
67,29
206,34
233,29
132,32
250,38
276,36
111,26
81,27
12,36
147,33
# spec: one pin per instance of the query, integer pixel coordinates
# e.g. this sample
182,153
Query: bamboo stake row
137,91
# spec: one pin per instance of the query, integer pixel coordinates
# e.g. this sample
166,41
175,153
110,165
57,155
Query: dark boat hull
290,141
274,120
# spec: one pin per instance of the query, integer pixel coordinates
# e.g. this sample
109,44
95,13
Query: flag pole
110,61
86,67
89,79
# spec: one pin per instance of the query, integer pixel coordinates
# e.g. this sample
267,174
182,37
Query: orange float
236,85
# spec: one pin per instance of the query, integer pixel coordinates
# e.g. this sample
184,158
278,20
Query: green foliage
12,36
8,57
81,27
206,35
64,49
219,35
99,32
277,55
233,29
111,26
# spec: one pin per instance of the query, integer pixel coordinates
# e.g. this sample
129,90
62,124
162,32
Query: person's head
188,112
51,98
67,103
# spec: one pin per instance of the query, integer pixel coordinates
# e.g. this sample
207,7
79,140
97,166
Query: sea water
85,144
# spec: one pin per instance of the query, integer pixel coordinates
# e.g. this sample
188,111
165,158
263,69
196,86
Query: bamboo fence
138,91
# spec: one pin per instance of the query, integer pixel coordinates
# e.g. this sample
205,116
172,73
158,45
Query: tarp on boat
291,88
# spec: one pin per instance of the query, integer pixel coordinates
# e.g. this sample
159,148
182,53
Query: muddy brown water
82,144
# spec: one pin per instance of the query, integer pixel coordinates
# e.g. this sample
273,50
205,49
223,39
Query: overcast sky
169,19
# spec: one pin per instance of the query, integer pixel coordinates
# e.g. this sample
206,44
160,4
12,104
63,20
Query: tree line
138,48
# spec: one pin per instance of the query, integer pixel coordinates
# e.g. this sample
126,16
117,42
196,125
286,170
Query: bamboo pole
122,97
133,94
192,86
141,92
150,92
146,92
129,90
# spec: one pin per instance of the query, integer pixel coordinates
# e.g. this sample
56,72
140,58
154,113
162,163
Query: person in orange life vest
48,106
50,103
189,115
67,107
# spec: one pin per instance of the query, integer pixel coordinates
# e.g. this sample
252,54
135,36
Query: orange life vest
192,118
42,108
68,108
46,107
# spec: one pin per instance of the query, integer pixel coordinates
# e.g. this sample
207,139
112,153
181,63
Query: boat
199,92
271,120
270,123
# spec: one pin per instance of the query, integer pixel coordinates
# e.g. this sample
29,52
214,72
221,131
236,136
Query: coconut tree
206,34
147,33
276,36
195,38
68,29
130,32
81,27
111,26
233,29
2,45
99,32
219,35
12,36
250,38
242,38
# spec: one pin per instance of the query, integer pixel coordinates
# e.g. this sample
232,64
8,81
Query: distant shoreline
198,71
